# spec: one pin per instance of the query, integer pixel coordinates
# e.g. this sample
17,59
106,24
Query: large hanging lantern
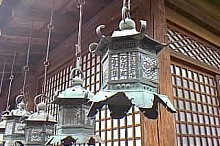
14,127
39,125
73,127
129,69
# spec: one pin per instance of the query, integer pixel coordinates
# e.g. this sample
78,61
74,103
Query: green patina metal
130,72
13,127
72,114
39,125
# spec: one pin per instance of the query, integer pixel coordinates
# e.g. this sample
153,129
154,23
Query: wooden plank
217,77
167,129
149,127
191,26
161,131
166,121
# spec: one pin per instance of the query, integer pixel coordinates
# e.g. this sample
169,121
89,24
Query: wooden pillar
218,85
159,132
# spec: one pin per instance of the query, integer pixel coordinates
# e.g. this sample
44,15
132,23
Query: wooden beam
217,78
24,39
9,49
195,15
25,32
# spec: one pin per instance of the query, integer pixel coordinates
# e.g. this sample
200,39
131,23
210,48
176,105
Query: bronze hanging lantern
73,124
39,125
74,127
129,69
14,126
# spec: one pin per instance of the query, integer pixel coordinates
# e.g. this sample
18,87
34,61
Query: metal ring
18,97
98,31
91,46
26,68
76,69
50,26
11,77
46,63
36,97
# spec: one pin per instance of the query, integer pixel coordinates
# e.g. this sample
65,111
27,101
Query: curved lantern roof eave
126,33
143,99
72,95
41,115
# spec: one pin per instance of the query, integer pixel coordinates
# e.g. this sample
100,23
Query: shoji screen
195,92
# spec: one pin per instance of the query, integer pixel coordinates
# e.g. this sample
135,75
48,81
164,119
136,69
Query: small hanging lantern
39,125
74,127
14,127
73,121
130,70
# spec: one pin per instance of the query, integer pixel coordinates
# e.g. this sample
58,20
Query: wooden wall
159,132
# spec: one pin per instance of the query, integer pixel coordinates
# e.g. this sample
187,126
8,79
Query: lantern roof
74,94
142,98
41,115
20,111
127,31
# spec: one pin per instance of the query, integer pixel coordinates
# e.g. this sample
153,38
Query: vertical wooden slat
166,120
149,127
166,123
218,86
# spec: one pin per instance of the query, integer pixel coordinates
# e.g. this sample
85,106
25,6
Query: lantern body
73,123
73,120
38,132
14,126
129,63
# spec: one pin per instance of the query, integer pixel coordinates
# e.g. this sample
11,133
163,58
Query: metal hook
93,47
98,31
18,97
36,97
76,69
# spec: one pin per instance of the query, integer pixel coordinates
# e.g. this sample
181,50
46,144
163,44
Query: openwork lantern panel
39,132
74,115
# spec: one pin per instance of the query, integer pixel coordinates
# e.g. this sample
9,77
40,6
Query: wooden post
160,132
217,77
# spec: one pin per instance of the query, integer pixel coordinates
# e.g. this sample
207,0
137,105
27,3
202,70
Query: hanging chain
10,82
2,78
46,62
26,67
79,42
